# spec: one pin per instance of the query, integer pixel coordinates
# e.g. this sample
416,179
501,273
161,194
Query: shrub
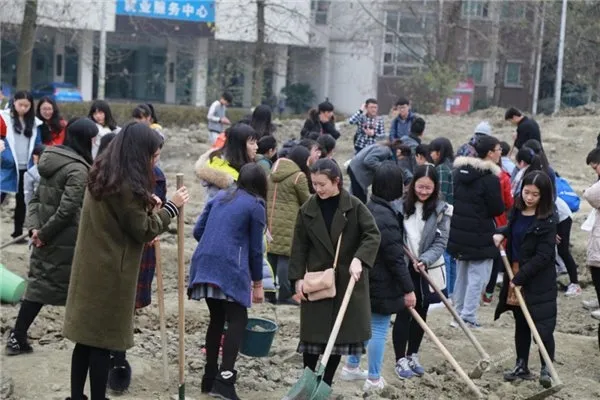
299,97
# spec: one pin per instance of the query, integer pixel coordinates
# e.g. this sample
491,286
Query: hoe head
546,393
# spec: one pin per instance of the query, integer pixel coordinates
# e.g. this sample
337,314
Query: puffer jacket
288,190
592,196
216,174
477,200
54,211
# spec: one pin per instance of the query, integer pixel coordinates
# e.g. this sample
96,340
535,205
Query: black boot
521,371
119,375
545,378
210,373
224,386
17,345
83,398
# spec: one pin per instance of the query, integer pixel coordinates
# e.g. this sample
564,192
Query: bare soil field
44,374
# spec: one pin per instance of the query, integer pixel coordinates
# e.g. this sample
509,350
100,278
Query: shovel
553,374
446,353
311,385
484,363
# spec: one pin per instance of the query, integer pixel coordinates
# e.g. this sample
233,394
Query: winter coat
313,250
401,127
592,196
230,241
527,129
389,279
314,124
477,200
507,198
444,171
434,241
264,162
215,174
366,162
31,181
54,211
104,275
56,138
288,190
9,165
537,274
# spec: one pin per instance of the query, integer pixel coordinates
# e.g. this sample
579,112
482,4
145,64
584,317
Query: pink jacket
592,195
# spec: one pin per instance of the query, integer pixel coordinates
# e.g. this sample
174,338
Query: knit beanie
483,128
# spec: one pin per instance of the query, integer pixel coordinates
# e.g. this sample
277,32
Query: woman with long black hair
119,215
53,129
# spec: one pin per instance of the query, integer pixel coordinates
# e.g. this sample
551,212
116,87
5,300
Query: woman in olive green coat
119,215
327,214
52,219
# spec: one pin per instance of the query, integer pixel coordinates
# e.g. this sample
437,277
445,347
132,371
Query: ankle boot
210,373
16,345
82,398
545,378
224,386
119,377
521,371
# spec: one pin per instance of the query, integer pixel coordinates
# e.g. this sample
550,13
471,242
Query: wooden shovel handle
160,289
450,308
181,285
530,322
338,323
445,353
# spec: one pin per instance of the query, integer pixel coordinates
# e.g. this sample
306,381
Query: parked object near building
60,92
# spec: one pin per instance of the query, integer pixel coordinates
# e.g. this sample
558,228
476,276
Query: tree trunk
259,54
449,48
494,78
26,43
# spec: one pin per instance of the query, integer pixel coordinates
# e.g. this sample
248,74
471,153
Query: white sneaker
573,290
596,314
590,304
371,386
353,374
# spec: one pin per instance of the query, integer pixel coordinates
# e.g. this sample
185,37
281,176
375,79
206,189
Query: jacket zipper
240,257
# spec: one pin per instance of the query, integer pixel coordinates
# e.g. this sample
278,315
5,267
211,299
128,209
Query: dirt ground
44,374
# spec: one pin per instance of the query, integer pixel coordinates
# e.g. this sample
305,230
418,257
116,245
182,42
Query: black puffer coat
477,200
389,279
537,274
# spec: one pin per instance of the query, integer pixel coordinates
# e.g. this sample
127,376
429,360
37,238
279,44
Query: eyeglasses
422,188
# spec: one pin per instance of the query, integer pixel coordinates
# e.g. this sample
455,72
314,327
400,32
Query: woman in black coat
320,120
531,239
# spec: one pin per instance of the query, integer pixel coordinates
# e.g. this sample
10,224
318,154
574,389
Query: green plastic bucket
258,337
12,286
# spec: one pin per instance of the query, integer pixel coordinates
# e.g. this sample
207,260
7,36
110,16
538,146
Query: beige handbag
320,285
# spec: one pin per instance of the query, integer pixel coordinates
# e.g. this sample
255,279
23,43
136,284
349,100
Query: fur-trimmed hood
468,169
216,172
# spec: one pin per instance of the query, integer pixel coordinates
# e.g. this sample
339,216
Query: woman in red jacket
501,221
53,128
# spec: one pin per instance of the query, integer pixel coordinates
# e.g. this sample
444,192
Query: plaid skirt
143,296
206,290
344,349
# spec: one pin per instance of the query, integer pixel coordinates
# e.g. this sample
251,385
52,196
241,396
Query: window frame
396,49
507,84
483,67
484,7
316,12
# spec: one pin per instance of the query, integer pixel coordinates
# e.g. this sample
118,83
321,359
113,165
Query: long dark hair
235,151
299,154
411,196
542,181
261,120
80,132
52,125
101,105
253,180
443,146
129,163
29,116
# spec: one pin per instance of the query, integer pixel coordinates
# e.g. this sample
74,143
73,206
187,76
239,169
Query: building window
474,9
404,42
320,11
512,74
513,10
475,71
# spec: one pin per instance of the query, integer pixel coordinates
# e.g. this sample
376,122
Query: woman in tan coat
119,215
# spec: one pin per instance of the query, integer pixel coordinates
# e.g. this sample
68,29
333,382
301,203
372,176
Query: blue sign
180,10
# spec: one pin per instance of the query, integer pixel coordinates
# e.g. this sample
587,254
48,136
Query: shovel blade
546,393
304,388
322,392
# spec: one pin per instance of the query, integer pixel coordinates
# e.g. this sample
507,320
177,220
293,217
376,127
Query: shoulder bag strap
273,208
337,251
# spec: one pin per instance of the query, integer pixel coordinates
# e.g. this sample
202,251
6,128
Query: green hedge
168,115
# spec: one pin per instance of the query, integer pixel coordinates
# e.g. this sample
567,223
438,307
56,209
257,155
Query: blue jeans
380,325
450,273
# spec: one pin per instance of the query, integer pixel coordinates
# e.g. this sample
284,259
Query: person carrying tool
530,247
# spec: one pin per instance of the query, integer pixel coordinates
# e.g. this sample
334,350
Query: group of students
99,191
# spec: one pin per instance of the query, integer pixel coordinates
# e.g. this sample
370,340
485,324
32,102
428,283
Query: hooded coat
54,211
477,200
216,174
288,190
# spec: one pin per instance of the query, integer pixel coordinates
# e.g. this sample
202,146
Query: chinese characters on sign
182,10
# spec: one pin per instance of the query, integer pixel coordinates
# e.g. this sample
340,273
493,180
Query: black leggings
97,361
20,207
27,313
523,336
236,316
563,230
310,361
595,271
357,190
407,334
496,268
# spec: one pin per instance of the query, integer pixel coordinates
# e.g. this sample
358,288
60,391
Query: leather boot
210,373
521,371
224,386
